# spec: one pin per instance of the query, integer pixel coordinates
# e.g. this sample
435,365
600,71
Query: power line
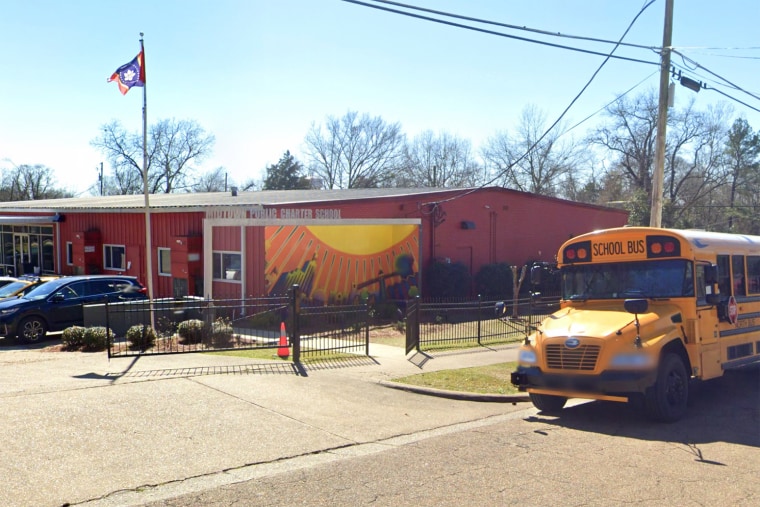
629,90
533,146
607,56
514,27
698,66
733,98
695,64
500,34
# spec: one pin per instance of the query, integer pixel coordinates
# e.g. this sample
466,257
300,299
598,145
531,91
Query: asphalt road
595,453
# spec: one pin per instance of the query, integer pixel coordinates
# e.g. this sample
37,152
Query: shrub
73,337
96,338
447,280
494,281
221,334
141,337
190,331
386,310
165,326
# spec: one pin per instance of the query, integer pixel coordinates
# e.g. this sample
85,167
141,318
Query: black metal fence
288,326
279,324
436,324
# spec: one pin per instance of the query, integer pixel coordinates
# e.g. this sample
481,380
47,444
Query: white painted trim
208,259
252,222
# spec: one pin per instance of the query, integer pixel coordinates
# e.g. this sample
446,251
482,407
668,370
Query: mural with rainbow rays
338,264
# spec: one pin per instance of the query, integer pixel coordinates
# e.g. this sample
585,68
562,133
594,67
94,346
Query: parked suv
15,287
57,304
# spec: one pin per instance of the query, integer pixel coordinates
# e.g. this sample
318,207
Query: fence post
295,311
480,316
366,329
109,338
413,325
417,319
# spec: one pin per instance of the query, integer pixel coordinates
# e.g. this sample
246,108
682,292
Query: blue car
58,304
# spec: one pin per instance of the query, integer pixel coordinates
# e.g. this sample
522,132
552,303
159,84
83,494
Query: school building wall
475,228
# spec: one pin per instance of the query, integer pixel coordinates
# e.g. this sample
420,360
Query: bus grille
559,357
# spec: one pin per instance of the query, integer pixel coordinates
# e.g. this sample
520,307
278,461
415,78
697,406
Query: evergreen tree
287,174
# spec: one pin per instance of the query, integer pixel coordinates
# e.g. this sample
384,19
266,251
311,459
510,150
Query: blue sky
258,73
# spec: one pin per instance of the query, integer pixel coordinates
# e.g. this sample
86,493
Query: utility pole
658,173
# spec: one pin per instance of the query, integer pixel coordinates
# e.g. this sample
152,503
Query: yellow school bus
643,311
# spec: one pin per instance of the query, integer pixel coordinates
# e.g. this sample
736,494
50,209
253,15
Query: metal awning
32,219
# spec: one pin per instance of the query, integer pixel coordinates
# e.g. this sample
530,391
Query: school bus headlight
527,356
631,360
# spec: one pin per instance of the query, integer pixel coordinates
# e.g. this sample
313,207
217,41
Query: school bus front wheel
667,400
548,403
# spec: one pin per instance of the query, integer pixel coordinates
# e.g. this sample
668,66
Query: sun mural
343,263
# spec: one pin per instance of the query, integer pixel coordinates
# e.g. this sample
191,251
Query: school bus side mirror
711,274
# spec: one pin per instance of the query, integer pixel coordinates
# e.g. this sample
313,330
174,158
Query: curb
457,395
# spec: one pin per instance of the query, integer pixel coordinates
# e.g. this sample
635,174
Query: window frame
69,253
107,259
216,275
753,274
738,276
162,250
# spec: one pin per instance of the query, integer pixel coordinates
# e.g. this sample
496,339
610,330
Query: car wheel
666,401
32,330
547,403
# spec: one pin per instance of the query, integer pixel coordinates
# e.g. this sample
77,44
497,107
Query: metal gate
285,325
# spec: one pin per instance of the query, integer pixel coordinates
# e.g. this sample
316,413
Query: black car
58,304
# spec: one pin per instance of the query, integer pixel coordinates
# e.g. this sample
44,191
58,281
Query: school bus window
700,276
724,275
753,274
667,278
737,271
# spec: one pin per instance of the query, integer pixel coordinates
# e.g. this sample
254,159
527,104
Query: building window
69,253
226,266
164,262
113,257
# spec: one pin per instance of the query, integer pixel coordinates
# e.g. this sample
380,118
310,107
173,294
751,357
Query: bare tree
211,181
523,162
629,138
693,168
441,161
693,153
354,151
742,159
172,147
249,185
124,152
29,183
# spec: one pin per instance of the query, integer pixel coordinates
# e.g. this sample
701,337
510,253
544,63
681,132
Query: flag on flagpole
130,74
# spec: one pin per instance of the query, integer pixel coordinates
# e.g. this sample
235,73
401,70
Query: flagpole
148,247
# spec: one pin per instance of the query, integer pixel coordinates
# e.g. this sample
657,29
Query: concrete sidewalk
79,429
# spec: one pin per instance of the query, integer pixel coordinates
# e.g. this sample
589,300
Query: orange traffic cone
283,351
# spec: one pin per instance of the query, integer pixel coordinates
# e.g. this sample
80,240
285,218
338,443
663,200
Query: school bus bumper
614,385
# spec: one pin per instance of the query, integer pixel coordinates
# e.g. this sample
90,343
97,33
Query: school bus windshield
623,280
